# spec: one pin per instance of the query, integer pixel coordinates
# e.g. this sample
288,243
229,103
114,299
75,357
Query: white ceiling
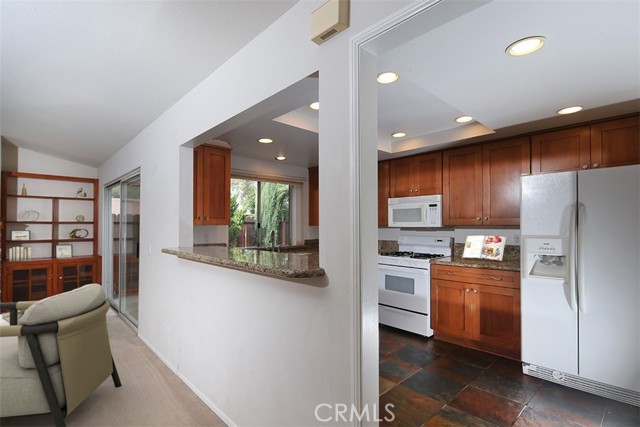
591,58
452,62
80,79
75,87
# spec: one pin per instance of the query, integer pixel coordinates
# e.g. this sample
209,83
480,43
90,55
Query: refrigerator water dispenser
545,258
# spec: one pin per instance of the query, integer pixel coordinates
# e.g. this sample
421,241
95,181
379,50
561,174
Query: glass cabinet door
29,283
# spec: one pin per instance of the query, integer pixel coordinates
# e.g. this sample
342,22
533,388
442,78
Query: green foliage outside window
274,211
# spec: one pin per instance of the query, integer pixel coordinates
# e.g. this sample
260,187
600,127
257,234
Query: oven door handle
423,271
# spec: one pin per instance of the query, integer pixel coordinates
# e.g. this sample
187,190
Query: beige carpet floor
151,395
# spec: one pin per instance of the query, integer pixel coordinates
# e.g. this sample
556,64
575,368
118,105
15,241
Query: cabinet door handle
585,166
450,273
486,218
478,218
466,291
596,165
495,278
475,291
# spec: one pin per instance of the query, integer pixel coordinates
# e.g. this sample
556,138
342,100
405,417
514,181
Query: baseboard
219,413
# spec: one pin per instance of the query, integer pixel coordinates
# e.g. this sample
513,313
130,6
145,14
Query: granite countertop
510,262
506,264
292,262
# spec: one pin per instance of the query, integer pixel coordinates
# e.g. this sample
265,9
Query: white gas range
404,282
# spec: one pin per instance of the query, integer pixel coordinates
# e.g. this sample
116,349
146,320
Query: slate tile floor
435,384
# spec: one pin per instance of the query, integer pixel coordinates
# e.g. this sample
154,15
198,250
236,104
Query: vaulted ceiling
80,79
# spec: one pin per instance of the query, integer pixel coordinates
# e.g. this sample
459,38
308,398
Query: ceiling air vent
329,19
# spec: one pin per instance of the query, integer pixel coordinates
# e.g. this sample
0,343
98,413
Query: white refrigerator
580,288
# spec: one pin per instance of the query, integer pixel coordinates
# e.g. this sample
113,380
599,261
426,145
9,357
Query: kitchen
278,327
500,309
619,108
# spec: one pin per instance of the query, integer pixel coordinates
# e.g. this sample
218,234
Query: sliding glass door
122,246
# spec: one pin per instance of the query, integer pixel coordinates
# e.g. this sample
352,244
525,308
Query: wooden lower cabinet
26,280
477,308
74,273
34,280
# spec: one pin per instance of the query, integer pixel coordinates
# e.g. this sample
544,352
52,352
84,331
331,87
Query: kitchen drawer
505,279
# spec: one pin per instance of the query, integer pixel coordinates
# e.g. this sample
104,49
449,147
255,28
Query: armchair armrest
11,331
23,305
13,308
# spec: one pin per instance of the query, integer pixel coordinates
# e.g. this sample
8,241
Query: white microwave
417,211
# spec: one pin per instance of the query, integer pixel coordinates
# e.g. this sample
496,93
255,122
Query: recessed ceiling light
314,105
569,110
281,158
265,140
464,119
398,135
387,77
525,46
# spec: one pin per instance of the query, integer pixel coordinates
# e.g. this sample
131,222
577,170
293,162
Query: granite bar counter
510,262
290,263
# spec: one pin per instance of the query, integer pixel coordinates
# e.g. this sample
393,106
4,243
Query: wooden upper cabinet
503,163
562,150
383,193
615,143
212,185
314,196
462,186
482,183
416,175
599,145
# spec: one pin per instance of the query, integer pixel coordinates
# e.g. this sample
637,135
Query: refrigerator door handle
570,291
582,300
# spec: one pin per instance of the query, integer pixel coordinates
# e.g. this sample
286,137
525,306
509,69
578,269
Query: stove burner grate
408,254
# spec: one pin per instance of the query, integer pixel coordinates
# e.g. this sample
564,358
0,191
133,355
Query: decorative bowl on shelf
80,218
28,216
78,233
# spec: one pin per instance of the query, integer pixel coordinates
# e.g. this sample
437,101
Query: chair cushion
54,308
21,392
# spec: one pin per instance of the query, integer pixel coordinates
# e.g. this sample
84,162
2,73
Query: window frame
296,212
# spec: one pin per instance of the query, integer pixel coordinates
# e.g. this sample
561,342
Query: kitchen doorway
122,245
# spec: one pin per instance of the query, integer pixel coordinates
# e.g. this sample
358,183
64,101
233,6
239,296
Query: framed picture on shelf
64,251
20,235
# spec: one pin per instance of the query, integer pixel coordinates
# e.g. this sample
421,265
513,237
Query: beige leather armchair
55,354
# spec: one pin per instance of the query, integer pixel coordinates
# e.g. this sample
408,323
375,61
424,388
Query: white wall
263,351
34,162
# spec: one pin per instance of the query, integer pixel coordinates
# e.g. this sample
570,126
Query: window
260,213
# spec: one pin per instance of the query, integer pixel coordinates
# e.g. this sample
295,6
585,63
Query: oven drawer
405,320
